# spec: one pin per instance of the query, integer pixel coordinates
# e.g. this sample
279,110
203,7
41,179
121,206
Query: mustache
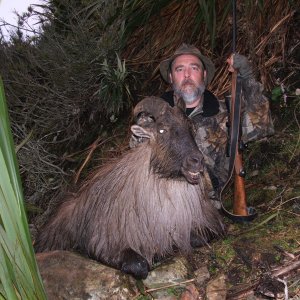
188,81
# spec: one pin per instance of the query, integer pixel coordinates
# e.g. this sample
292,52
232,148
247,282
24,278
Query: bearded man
189,72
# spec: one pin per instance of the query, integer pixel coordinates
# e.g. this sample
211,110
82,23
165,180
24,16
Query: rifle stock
239,201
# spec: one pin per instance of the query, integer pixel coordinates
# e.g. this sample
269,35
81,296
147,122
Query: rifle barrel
233,26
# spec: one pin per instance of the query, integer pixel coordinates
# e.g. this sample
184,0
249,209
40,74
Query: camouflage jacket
211,118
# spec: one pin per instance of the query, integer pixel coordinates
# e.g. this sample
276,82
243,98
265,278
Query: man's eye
195,68
179,69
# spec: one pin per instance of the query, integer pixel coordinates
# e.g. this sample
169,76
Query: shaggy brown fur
128,205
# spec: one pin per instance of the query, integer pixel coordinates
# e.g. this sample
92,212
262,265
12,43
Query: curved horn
152,105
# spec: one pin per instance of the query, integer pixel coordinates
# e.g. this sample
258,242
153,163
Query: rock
67,275
170,272
201,275
191,293
216,288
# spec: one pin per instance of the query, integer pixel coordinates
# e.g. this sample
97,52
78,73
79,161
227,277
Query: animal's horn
153,106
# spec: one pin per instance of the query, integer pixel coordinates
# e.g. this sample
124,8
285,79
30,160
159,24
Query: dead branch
93,147
285,270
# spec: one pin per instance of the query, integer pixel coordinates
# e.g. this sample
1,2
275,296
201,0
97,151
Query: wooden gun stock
239,201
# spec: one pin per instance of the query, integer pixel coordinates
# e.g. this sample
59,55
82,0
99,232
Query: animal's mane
158,214
139,210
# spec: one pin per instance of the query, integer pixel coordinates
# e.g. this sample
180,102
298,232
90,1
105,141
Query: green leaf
19,276
276,94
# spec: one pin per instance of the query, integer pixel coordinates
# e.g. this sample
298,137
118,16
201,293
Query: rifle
239,201
241,212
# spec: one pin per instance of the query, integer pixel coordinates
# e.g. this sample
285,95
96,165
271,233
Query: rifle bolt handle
242,173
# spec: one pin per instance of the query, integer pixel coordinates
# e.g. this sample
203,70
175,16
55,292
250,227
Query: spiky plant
19,276
114,92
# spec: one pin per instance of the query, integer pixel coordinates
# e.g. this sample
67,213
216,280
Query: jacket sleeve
256,121
211,138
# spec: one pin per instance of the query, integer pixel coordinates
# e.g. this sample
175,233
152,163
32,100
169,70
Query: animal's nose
194,162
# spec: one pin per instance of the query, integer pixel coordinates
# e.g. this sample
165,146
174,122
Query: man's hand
241,64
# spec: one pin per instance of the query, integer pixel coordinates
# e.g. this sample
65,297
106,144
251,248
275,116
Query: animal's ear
181,104
141,132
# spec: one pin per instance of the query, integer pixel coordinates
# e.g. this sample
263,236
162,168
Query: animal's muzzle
192,168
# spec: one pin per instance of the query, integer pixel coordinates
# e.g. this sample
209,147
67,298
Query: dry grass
267,37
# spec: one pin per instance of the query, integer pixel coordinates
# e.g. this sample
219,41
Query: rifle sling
235,133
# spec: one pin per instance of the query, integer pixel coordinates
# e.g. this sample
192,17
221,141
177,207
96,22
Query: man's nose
187,73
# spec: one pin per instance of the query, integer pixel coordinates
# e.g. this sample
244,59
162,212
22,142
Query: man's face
187,77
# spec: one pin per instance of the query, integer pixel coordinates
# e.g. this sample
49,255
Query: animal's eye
161,130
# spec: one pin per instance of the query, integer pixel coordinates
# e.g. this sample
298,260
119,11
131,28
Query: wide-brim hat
165,65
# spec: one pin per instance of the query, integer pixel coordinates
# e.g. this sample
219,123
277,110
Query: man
189,72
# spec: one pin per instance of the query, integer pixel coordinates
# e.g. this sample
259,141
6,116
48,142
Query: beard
189,91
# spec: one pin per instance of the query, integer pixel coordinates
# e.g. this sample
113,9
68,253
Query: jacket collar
208,108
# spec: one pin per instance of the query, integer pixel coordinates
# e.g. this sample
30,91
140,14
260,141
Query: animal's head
170,134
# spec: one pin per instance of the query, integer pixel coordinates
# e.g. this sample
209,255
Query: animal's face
174,151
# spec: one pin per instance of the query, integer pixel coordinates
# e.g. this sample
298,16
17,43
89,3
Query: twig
260,47
69,156
93,148
245,290
147,291
291,199
296,119
286,269
170,285
279,196
258,225
281,250
27,138
286,292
